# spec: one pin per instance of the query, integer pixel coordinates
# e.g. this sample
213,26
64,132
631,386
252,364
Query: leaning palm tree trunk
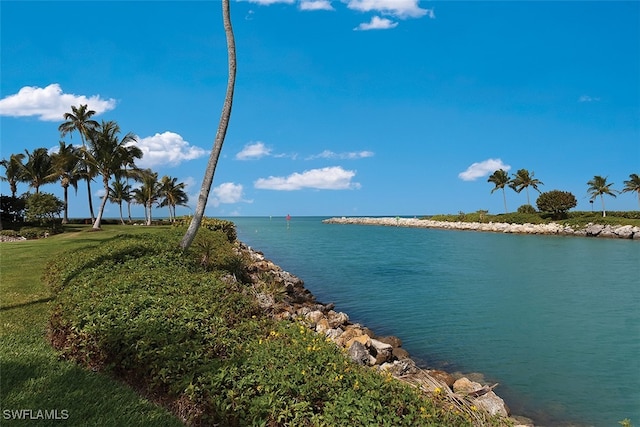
220,135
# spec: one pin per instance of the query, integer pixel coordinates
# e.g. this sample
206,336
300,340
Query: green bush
140,308
526,209
556,202
9,233
213,224
33,232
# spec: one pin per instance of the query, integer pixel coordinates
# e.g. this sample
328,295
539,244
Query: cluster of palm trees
522,179
104,154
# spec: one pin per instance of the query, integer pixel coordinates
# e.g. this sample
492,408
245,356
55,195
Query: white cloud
587,98
315,5
328,154
49,103
228,193
329,178
484,168
166,148
269,2
377,23
398,8
253,150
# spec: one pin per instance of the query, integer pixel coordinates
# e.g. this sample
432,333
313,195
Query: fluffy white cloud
329,178
49,103
377,23
228,193
253,150
166,148
315,5
328,154
397,8
484,168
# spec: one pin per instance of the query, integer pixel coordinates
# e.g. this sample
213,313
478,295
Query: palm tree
108,154
220,134
79,119
523,180
598,187
174,195
120,192
13,172
65,168
500,178
148,193
633,185
38,169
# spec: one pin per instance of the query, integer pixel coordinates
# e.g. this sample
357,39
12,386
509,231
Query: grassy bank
577,219
33,377
178,327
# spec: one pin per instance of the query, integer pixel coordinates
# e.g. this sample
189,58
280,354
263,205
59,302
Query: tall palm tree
65,168
173,195
13,171
598,186
187,239
38,169
500,178
79,120
632,185
523,180
108,154
120,192
148,193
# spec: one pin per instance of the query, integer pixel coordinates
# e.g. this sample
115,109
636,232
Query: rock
594,229
443,377
391,340
381,351
313,317
624,232
362,339
337,319
358,353
322,326
349,333
489,401
400,353
333,334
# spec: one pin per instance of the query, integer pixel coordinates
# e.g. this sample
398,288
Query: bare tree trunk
207,181
65,218
96,224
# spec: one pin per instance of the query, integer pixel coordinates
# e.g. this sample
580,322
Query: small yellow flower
474,408
438,390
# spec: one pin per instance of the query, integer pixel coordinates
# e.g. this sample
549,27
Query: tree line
555,201
104,154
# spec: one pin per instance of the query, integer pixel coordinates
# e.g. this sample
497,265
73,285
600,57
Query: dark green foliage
11,209
556,202
526,209
213,224
30,233
43,208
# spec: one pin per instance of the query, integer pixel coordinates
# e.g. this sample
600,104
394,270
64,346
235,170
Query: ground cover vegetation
184,330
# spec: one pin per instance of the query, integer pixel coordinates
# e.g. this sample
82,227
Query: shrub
213,224
527,209
43,208
32,232
556,202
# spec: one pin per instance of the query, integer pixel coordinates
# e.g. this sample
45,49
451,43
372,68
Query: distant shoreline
591,230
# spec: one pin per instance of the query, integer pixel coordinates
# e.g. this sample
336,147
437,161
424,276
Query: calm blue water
554,320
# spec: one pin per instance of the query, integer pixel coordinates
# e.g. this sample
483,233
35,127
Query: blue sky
342,107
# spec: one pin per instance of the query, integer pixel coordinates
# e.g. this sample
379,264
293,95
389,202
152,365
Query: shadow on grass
26,304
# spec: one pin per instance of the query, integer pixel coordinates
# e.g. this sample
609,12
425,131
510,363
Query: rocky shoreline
383,353
591,230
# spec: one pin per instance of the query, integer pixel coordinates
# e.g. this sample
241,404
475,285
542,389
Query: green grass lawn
32,377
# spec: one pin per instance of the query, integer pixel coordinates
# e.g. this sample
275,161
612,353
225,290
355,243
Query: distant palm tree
598,186
523,180
633,185
108,154
38,169
148,193
13,171
174,195
120,192
500,178
65,168
79,119
207,180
